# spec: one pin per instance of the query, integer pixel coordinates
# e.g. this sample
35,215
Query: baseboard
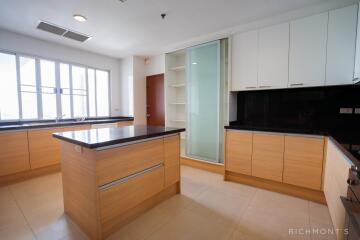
207,166
300,192
28,174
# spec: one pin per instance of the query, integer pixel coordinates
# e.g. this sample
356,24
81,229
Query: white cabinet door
357,56
274,56
308,51
244,61
341,45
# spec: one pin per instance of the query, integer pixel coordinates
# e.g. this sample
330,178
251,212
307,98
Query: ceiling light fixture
79,18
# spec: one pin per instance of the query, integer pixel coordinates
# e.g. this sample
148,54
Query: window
9,101
98,92
79,91
34,88
102,93
65,90
48,89
28,88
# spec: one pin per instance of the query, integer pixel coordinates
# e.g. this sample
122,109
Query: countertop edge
116,141
66,124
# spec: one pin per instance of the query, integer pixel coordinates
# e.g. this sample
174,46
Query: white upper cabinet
273,64
341,45
308,51
357,56
244,61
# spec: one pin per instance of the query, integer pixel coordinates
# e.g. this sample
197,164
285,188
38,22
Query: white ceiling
135,27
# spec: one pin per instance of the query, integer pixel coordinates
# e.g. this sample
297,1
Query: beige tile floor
208,208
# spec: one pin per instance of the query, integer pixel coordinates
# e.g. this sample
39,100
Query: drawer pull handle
296,84
250,87
128,178
265,86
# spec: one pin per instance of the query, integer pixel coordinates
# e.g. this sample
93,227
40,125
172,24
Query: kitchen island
112,175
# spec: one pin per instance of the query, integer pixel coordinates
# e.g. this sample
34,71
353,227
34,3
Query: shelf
178,103
178,120
178,85
178,68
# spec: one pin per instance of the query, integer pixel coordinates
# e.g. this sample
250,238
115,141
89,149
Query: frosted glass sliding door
203,101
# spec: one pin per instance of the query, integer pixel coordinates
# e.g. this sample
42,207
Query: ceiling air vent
76,36
52,28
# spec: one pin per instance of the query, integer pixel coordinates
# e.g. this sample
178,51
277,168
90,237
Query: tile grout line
238,221
309,219
22,213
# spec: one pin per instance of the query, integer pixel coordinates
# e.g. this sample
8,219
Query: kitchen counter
21,125
347,141
104,137
114,182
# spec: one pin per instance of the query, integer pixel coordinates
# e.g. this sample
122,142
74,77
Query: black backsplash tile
312,109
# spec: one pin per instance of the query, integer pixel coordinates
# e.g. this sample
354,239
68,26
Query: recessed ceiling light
79,18
194,63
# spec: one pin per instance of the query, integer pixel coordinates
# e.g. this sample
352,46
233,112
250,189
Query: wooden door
155,100
238,151
14,152
268,156
303,161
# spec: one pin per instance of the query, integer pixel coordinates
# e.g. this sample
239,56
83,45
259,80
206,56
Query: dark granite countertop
348,141
21,125
103,137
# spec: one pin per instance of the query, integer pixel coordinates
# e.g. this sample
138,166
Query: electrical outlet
346,111
357,111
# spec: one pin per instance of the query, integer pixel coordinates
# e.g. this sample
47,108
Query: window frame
57,63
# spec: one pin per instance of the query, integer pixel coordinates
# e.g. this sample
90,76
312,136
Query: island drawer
117,163
123,196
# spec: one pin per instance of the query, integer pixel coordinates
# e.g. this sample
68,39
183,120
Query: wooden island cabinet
115,174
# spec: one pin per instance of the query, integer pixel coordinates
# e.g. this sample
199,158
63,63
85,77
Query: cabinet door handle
250,87
132,176
264,86
296,84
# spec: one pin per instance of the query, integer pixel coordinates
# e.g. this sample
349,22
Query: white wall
155,65
14,42
139,90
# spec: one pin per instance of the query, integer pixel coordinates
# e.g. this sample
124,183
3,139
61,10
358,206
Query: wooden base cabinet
238,151
303,161
106,188
14,152
172,159
44,148
335,185
268,156
125,123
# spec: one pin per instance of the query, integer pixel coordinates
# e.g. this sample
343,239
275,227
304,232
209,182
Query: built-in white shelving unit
178,68
175,92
